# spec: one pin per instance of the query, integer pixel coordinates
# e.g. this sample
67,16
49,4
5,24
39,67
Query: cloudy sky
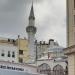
50,19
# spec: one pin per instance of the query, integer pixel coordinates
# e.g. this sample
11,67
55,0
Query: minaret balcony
31,29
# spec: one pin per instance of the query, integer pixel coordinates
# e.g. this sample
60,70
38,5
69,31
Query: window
2,54
74,38
20,60
9,54
20,51
58,70
44,69
74,20
13,41
8,40
74,3
12,61
13,54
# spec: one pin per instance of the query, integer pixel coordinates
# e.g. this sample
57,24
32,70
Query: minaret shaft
31,22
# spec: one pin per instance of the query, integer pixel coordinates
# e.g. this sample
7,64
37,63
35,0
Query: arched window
58,70
44,69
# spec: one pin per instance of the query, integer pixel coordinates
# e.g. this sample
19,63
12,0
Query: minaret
31,30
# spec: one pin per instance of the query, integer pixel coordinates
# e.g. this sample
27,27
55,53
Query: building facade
70,22
43,48
14,50
8,50
50,58
22,48
70,50
51,67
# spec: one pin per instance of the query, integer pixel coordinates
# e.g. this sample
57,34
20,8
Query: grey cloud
11,15
53,25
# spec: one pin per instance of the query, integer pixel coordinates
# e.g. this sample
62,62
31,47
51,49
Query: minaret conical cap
32,13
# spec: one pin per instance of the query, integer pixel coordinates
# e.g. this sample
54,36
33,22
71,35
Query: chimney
51,42
35,41
44,42
18,36
40,42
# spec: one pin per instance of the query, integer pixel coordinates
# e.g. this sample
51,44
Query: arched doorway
44,69
58,70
